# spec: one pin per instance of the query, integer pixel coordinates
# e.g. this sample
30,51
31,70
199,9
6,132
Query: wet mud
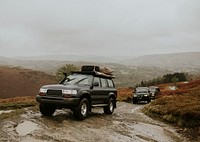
126,124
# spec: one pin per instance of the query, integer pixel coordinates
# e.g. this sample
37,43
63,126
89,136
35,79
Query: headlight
145,95
42,90
134,95
71,92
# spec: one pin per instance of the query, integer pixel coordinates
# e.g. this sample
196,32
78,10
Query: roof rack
95,73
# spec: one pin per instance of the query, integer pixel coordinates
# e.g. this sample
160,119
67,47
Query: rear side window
96,79
110,83
104,82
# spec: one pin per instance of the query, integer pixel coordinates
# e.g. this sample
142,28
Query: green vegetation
16,105
168,78
66,69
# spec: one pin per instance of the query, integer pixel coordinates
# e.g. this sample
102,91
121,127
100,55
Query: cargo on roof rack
95,73
90,68
95,70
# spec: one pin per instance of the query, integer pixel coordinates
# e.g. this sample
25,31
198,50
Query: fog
98,27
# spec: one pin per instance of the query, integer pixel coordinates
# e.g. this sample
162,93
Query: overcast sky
99,27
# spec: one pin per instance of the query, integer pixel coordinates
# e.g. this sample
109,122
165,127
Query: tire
46,109
110,108
149,100
81,111
135,101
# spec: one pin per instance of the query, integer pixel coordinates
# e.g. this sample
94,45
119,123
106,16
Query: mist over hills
128,71
187,62
76,58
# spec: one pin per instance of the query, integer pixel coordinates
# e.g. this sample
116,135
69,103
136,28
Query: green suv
80,92
141,94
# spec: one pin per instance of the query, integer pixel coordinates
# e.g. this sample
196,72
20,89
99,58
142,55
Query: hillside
126,75
21,82
187,62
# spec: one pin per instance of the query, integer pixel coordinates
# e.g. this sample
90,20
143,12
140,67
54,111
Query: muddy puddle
26,127
127,124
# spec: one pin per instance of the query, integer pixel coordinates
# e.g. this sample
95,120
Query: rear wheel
81,111
46,109
110,108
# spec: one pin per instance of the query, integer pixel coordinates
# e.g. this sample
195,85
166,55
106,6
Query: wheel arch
112,95
87,96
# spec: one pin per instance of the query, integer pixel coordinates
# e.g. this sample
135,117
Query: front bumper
58,100
142,98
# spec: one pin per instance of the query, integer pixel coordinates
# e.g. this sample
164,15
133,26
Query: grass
17,103
17,112
124,94
182,110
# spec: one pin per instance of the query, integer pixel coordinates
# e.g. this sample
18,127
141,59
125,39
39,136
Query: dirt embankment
127,124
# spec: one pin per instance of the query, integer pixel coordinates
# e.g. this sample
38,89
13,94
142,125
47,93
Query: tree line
168,78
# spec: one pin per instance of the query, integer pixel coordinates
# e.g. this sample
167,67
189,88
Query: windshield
152,90
142,90
79,79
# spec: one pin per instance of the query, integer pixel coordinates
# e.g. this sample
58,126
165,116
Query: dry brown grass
179,107
17,102
124,94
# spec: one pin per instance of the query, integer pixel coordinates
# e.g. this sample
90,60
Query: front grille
54,92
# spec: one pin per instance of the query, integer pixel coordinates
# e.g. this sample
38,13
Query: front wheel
110,108
135,101
149,100
46,109
81,111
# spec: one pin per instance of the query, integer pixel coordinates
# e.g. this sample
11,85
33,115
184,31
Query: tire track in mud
127,124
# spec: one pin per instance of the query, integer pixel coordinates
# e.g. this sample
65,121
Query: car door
105,90
96,91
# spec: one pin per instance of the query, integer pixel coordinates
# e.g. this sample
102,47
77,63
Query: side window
96,80
110,83
104,82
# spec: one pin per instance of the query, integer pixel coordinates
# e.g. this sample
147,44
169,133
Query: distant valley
188,62
128,71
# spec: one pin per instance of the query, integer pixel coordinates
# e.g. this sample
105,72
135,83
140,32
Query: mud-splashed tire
110,108
46,109
81,112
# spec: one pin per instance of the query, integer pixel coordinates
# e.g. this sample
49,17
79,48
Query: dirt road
127,124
